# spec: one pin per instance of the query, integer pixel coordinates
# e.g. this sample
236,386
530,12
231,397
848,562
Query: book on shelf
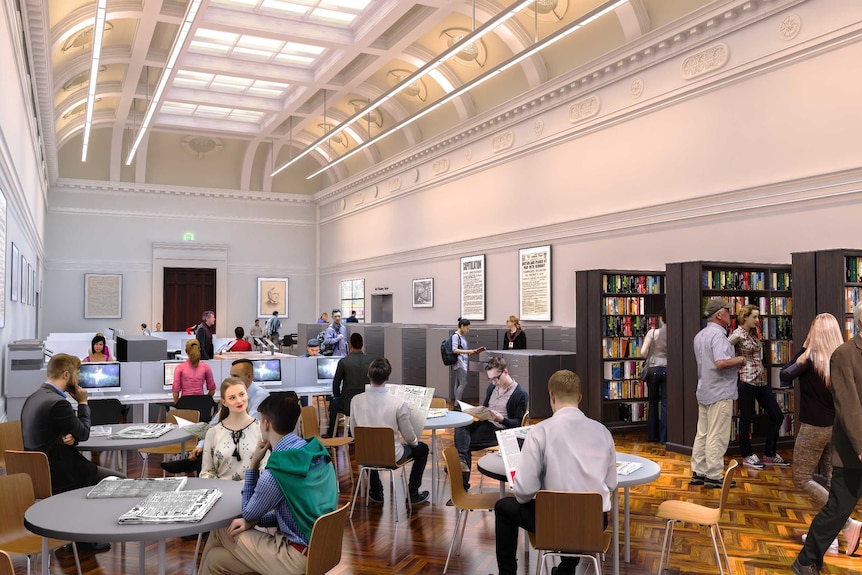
849,328
633,412
853,265
622,347
628,305
853,298
116,487
172,507
780,352
734,280
781,281
627,283
633,389
622,369
627,325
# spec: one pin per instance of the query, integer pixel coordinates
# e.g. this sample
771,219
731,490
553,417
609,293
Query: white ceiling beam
81,17
197,125
634,19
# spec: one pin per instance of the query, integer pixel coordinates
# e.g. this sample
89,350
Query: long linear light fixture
98,32
180,40
474,36
576,24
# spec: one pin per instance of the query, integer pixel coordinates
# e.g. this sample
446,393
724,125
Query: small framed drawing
16,273
423,292
272,296
103,296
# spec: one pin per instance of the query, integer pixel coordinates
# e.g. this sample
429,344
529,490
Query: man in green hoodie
297,486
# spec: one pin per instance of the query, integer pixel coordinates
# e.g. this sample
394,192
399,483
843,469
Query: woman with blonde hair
515,336
193,376
813,446
752,385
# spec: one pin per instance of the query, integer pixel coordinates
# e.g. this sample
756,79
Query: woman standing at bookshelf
515,336
230,443
813,444
752,385
655,346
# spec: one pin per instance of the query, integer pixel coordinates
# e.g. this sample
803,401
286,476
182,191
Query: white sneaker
753,461
851,534
832,547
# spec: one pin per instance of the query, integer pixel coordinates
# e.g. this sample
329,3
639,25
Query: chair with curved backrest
10,438
6,566
176,448
687,512
438,403
204,404
16,496
375,451
32,463
311,428
324,546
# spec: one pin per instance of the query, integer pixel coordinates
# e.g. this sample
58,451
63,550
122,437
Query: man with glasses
716,389
505,405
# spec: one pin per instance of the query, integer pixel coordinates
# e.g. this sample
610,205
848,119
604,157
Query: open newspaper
148,431
116,487
510,449
199,429
172,507
480,412
418,400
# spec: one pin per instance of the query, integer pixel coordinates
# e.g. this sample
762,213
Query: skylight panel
285,7
355,5
260,43
235,2
256,54
267,84
208,47
333,16
246,116
300,48
293,59
216,36
178,108
191,79
233,81
212,112
265,92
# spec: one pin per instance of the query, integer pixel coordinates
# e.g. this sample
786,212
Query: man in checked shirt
297,486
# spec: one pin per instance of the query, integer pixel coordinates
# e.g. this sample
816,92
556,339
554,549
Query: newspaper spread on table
510,449
101,430
148,431
116,487
172,507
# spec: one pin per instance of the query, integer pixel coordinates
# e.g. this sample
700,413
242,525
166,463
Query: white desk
452,419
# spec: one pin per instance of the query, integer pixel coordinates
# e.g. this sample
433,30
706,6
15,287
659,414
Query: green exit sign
189,237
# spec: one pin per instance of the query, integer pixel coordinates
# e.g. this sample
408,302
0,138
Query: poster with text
534,269
473,287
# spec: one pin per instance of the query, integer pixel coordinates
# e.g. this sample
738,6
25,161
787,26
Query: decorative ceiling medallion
358,198
375,118
83,38
416,89
538,127
583,109
339,138
705,61
637,88
394,185
473,54
201,146
80,79
502,141
790,27
549,10
440,166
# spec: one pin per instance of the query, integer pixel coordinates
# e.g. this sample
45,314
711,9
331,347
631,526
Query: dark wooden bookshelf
615,308
766,285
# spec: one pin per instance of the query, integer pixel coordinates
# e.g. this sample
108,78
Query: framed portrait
103,296
534,282
423,292
473,287
15,284
272,296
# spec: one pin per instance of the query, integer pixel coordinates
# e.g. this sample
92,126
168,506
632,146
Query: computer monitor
267,371
100,377
326,368
170,367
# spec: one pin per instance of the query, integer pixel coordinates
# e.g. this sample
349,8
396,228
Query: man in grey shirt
716,390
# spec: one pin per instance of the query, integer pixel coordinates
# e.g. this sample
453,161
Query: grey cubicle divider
288,372
130,378
152,378
305,372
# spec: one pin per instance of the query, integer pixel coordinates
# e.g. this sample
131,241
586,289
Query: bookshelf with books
615,309
689,286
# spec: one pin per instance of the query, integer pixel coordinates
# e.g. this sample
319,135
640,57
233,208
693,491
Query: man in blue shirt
336,335
297,486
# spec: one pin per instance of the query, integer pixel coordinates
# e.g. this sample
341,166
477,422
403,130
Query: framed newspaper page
103,296
534,283
423,292
272,296
473,287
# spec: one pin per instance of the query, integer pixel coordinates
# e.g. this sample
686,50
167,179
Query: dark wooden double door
188,292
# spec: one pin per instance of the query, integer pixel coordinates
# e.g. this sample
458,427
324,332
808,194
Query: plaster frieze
120,189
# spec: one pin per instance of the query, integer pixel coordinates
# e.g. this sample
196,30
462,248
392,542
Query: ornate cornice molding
89,212
37,23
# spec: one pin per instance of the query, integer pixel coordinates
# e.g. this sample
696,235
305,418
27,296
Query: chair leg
724,550
540,565
145,457
665,546
356,492
406,489
195,556
715,547
394,493
597,565
463,530
452,542
77,560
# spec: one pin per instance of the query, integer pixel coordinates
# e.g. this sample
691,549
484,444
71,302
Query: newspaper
115,487
149,431
441,412
172,507
418,400
510,449
480,412
101,430
627,467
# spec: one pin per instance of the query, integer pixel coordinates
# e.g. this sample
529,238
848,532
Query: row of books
633,412
849,328
780,327
632,305
622,369
785,431
780,352
767,305
719,279
854,296
628,325
632,284
622,347
854,269
785,400
631,389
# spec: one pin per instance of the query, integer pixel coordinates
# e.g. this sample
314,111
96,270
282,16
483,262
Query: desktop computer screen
267,371
170,367
100,376
326,368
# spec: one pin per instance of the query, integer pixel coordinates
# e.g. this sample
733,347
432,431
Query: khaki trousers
253,551
713,435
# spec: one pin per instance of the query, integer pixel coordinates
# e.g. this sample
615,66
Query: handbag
646,368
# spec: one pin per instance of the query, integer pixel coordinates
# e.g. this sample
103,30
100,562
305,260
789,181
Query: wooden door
188,292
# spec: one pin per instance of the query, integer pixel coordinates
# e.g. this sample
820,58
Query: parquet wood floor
762,529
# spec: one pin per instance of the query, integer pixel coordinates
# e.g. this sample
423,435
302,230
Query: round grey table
452,419
61,517
105,443
491,465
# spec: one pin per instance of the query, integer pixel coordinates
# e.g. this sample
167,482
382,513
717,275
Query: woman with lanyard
515,336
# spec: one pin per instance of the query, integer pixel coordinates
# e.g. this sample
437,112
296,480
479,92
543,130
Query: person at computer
145,330
98,350
352,318
297,486
551,460
376,407
193,376
312,348
204,334
335,336
240,344
351,377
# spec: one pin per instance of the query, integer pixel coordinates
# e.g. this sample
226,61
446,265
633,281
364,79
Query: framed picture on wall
3,260
534,283
423,292
15,283
473,287
103,296
29,294
32,299
271,296
24,277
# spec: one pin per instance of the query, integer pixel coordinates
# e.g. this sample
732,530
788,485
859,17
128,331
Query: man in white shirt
376,407
568,452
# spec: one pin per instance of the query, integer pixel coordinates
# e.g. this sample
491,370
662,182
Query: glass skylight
333,16
255,48
229,84
289,7
211,112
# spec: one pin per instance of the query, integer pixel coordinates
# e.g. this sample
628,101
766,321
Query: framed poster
103,296
29,294
15,284
473,287
3,260
24,277
534,283
32,299
271,296
423,292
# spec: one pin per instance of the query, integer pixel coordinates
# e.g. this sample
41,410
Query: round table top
61,516
491,465
451,419
105,443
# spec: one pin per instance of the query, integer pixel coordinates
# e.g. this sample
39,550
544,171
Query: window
353,298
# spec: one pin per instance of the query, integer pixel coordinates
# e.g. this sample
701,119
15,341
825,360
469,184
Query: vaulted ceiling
257,82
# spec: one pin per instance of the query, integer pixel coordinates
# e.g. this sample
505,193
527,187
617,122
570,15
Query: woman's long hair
743,314
823,338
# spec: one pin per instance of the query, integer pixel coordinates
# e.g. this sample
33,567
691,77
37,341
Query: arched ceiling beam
634,19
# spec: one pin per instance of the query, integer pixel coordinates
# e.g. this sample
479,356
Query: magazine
172,507
116,487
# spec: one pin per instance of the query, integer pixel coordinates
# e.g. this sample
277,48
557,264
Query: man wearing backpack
273,326
336,335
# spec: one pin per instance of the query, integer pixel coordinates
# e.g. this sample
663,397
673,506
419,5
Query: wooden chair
375,451
438,403
32,463
324,547
10,438
687,512
462,500
6,566
570,525
311,428
16,496
177,448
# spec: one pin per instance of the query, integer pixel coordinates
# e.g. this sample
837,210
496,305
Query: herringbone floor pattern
762,529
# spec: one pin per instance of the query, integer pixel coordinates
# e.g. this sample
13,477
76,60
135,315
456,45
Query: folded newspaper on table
116,487
510,449
627,467
149,431
437,412
101,430
172,507
480,412
199,429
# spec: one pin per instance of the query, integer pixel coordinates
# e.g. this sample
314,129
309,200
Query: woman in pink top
191,376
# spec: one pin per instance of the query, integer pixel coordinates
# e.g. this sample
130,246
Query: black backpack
449,357
324,349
